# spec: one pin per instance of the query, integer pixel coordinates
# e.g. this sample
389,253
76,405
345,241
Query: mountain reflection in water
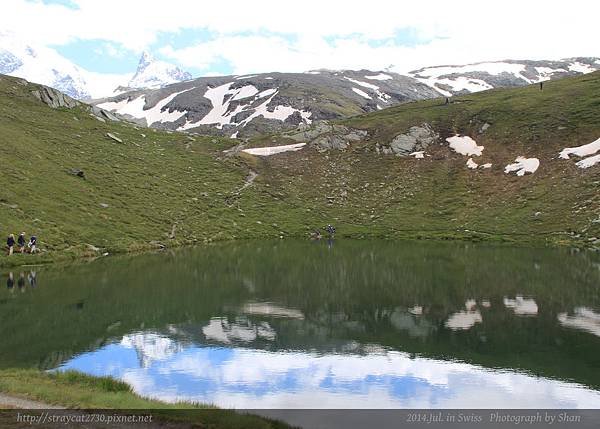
296,324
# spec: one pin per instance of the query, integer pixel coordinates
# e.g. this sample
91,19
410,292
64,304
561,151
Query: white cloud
461,31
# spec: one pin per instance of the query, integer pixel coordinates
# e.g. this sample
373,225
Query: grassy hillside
155,186
438,196
176,189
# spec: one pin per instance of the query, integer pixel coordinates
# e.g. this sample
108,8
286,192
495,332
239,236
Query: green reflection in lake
536,310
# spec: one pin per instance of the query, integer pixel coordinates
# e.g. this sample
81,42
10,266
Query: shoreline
69,257
61,391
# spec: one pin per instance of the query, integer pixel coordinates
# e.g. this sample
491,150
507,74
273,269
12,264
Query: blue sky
106,56
245,37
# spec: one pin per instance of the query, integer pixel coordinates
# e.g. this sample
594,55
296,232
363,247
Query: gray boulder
115,138
54,98
416,139
324,136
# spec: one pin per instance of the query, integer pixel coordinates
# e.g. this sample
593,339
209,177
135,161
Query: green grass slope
177,189
72,389
439,196
154,187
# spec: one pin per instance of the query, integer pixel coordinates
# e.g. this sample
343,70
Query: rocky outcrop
101,113
323,136
54,98
418,138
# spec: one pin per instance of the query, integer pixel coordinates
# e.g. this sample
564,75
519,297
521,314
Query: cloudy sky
241,36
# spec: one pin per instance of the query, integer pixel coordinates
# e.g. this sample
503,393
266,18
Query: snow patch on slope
381,95
583,151
221,114
465,145
493,68
245,92
472,164
582,68
135,108
362,93
523,165
273,150
589,161
380,76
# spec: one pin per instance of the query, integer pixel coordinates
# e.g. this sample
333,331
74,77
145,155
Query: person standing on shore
32,243
21,242
10,244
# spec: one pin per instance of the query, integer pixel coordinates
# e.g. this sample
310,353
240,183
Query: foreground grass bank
76,390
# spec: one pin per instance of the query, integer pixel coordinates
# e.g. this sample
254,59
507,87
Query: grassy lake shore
79,391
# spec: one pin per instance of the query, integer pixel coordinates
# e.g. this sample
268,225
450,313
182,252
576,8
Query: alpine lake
320,324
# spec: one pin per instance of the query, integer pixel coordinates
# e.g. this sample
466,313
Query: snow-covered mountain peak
145,61
153,73
41,65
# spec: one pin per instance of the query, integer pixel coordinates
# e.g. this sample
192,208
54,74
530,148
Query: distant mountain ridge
245,106
162,95
242,106
464,79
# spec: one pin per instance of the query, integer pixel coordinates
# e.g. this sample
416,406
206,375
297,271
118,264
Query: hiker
10,282
10,244
541,86
21,242
316,235
32,243
330,230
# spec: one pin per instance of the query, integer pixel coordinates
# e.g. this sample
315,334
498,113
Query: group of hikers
21,244
316,234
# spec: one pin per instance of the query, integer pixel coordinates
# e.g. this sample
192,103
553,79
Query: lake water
349,324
